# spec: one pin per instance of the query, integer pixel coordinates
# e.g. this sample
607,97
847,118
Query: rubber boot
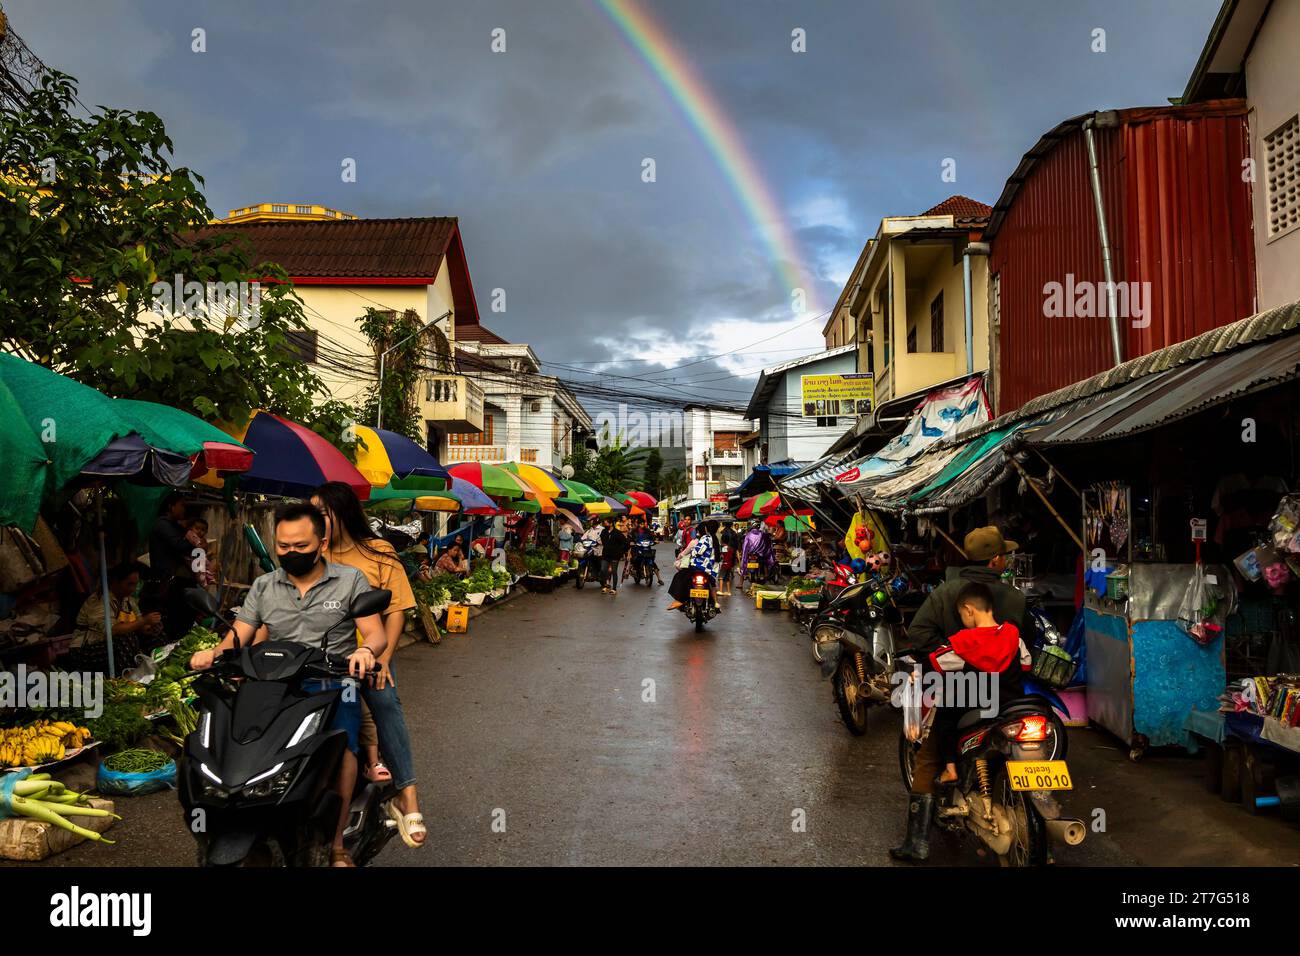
920,813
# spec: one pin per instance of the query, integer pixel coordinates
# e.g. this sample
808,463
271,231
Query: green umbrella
584,493
165,427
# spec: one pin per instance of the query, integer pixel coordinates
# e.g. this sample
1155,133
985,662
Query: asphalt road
578,728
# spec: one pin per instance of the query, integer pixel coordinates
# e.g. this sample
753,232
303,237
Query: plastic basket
1055,666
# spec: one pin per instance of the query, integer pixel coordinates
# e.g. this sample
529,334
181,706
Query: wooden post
1042,497
959,548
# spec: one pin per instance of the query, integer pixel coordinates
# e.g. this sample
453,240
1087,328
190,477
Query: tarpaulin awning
774,472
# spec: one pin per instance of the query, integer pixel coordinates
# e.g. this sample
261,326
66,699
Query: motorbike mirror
200,600
371,602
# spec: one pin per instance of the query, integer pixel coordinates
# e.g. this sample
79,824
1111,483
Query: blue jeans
348,715
390,726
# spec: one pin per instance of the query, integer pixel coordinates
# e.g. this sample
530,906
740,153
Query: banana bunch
39,742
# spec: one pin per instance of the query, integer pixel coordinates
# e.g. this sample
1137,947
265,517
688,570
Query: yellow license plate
752,564
1039,775
699,592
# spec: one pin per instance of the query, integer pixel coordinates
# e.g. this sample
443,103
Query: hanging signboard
851,393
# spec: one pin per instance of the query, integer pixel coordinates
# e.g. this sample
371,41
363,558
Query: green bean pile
136,761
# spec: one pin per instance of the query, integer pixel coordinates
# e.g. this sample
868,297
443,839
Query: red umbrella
762,504
642,498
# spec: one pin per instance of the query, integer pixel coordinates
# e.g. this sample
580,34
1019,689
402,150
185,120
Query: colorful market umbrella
584,493
538,478
493,480
616,506
597,507
385,457
389,498
764,503
291,460
208,446
642,498
569,518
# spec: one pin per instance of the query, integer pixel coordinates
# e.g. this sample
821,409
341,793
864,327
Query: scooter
1009,767
700,606
855,636
643,560
587,560
256,778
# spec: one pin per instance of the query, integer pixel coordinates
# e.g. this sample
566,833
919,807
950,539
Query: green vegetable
136,761
120,725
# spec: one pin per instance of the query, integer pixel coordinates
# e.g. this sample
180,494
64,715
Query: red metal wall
1179,217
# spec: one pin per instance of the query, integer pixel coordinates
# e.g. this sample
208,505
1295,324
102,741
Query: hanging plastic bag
1205,606
121,783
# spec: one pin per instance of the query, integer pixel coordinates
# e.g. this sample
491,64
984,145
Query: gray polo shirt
274,600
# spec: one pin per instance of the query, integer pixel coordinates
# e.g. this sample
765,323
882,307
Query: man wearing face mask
306,599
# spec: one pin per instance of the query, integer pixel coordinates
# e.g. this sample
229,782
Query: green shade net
165,427
70,421
22,478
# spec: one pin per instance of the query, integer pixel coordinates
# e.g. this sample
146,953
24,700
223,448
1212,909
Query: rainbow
720,138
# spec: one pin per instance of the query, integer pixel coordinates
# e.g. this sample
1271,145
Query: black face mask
299,563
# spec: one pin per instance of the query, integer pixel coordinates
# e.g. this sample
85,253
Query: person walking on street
729,540
613,547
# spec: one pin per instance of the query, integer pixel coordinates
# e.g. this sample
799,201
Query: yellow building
905,304
285,212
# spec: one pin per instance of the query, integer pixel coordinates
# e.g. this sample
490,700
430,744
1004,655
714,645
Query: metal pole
972,249
1104,234
103,581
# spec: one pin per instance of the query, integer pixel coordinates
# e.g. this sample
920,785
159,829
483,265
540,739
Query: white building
527,416
714,460
786,433
1251,52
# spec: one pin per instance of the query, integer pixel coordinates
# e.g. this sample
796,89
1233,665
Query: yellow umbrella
537,478
598,508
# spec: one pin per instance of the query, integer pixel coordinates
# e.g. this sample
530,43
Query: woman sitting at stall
453,561
703,555
133,631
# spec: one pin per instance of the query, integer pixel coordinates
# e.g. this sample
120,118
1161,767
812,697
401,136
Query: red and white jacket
993,650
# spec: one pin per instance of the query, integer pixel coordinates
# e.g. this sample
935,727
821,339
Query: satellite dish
567,471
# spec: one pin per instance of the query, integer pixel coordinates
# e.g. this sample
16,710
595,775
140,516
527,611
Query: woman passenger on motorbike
350,541
703,555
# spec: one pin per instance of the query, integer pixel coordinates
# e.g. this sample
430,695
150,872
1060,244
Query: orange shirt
384,570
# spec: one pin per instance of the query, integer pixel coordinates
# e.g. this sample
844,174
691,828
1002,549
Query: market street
742,732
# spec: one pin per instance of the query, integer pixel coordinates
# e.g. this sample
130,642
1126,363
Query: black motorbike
588,563
1009,766
643,563
699,606
256,777
854,636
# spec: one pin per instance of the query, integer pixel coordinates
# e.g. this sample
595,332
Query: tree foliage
613,468
92,214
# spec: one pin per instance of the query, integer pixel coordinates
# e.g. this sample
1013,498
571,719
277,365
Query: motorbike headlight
310,724
272,783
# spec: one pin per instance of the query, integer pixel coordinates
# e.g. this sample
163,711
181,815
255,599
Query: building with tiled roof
906,307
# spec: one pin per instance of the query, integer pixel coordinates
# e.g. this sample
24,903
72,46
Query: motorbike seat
1028,704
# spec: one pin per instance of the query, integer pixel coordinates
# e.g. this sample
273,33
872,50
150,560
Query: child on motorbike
982,646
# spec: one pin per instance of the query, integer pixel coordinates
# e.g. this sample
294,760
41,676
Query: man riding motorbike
305,598
703,556
935,622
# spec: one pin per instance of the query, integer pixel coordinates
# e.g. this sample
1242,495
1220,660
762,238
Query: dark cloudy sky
538,150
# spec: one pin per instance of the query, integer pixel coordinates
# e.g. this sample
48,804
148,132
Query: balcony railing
488,453
453,402
528,455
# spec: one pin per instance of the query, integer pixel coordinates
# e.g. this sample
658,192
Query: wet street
578,728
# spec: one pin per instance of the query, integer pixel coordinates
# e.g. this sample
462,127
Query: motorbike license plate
699,592
752,564
1039,775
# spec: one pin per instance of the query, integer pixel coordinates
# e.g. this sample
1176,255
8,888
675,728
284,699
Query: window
278,208
303,210
911,339
1282,177
301,344
825,422
473,438
936,323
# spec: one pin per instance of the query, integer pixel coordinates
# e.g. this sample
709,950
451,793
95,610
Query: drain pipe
972,249
1112,307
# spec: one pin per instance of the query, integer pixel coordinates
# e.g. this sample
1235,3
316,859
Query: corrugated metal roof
1175,393
1246,332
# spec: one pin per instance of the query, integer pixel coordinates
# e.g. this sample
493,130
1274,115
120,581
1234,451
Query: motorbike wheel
581,577
1029,843
699,621
853,714
907,751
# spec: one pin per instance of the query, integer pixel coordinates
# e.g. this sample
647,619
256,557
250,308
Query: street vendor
132,630
170,566
453,561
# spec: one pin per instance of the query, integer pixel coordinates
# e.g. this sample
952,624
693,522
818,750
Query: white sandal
407,824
